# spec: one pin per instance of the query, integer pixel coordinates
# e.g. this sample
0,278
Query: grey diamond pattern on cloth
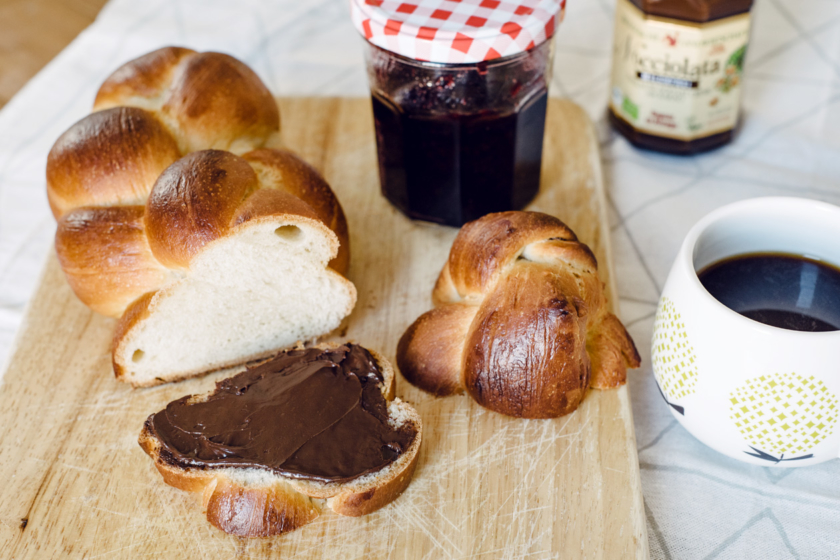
699,504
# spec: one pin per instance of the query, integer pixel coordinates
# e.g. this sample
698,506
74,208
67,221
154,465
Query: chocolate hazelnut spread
309,414
677,67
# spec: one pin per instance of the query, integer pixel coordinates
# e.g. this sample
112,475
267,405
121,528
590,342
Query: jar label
677,79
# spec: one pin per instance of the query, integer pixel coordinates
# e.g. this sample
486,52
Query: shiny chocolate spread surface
309,414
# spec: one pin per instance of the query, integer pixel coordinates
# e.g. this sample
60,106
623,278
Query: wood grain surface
77,485
34,31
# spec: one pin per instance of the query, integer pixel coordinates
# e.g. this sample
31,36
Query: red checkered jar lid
457,31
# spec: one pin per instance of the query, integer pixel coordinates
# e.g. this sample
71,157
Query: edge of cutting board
46,470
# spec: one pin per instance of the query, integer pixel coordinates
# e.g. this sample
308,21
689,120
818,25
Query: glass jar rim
492,63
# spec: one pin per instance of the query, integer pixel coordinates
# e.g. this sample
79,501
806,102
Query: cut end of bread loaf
210,259
261,289
252,502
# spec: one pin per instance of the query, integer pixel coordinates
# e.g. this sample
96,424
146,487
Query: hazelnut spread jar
677,72
459,92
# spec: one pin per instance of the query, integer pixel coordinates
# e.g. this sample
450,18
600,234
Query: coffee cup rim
687,255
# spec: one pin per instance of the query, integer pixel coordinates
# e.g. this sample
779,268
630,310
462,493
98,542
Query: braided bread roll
520,321
172,215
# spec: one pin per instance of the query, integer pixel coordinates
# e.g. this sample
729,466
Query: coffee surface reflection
786,291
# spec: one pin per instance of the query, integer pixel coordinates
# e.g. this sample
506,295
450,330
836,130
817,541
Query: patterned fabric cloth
699,504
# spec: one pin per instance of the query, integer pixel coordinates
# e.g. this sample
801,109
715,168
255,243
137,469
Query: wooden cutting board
486,486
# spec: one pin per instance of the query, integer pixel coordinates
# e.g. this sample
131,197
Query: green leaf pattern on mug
674,364
784,413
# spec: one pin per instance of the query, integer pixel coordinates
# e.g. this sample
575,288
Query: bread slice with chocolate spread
273,447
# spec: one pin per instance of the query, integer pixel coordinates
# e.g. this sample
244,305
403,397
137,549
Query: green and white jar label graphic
677,79
674,362
783,416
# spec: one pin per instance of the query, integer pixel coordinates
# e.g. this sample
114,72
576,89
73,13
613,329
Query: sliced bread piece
269,458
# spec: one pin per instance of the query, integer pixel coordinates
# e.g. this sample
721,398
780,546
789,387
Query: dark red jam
456,142
455,168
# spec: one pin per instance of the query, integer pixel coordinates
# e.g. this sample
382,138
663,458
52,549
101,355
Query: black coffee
781,290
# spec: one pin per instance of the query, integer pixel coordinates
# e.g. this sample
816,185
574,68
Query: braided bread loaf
209,258
521,321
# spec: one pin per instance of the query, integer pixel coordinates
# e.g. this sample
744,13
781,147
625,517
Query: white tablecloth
699,504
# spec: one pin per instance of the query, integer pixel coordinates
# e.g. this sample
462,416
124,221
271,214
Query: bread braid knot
172,160
520,322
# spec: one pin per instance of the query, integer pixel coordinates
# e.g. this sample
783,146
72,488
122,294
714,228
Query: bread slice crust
253,502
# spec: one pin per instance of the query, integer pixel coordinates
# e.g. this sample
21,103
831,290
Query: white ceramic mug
757,393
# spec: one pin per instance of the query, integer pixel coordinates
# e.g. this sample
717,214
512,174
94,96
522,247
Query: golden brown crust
235,508
134,313
284,171
430,352
257,511
144,78
485,247
193,480
267,202
208,100
106,257
216,101
445,290
113,254
613,351
521,321
194,202
526,356
108,158
356,504
241,503
149,113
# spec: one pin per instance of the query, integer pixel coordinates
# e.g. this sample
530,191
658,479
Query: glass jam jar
461,137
